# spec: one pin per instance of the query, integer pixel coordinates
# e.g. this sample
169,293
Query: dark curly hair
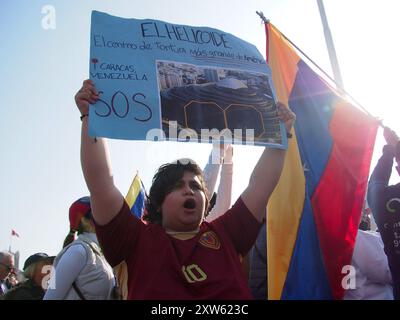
163,183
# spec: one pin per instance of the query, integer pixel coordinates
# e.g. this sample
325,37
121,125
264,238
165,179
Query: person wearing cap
36,268
80,270
384,201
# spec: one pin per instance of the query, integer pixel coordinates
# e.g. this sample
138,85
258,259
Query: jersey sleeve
240,225
119,237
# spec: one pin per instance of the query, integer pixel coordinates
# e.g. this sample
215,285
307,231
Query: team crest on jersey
210,240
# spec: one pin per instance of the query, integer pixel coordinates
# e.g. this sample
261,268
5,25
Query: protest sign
161,81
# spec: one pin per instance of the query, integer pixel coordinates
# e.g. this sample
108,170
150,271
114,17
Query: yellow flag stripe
286,203
133,191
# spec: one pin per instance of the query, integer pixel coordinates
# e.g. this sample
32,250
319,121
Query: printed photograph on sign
199,100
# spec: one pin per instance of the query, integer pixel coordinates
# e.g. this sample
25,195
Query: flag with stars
315,210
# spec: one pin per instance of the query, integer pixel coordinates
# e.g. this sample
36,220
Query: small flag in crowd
13,233
135,197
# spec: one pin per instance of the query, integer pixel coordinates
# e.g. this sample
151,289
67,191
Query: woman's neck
182,235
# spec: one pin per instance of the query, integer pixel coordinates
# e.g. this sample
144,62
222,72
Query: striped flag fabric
314,212
136,196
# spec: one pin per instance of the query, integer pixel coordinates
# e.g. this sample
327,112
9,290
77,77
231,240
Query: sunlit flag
314,213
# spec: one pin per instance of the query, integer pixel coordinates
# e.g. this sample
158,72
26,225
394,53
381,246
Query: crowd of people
191,243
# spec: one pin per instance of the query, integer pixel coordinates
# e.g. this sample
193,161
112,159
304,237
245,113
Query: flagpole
330,46
9,248
339,87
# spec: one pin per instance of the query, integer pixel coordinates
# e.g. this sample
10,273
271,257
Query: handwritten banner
160,81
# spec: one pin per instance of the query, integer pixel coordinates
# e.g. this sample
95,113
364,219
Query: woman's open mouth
189,204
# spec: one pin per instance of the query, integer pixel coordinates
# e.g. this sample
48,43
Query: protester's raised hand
286,116
85,96
390,136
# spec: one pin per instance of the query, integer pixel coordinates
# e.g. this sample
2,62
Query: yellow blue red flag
136,196
314,212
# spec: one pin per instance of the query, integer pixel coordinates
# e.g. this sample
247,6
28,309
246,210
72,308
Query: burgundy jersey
206,266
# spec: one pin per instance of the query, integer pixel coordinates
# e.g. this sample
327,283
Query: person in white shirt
373,280
220,159
81,271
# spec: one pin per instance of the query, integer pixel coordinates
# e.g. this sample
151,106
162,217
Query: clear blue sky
42,69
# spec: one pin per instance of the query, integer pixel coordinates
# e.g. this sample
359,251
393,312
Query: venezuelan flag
314,212
135,197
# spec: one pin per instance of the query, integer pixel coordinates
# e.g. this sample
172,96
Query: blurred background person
220,160
37,270
384,201
6,267
80,270
373,280
258,268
